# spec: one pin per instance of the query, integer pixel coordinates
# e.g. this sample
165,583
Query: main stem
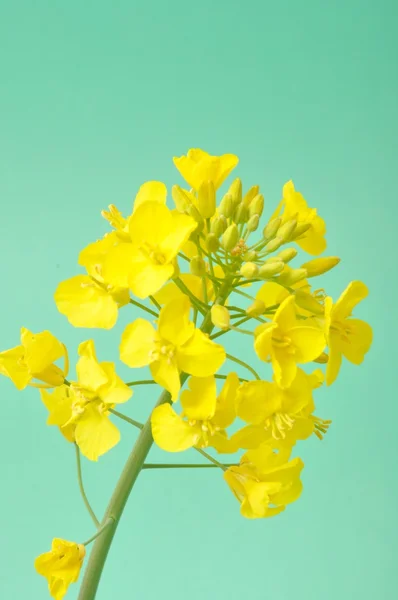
127,480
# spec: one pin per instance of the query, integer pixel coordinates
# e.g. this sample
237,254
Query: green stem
127,419
211,459
81,487
100,531
148,310
194,301
149,466
127,480
243,364
155,302
141,382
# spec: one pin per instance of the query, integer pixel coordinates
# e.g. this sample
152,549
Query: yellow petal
166,374
181,228
138,343
199,402
263,340
284,366
58,404
151,191
308,342
198,166
200,356
272,293
93,255
256,401
285,316
41,349
352,295
90,373
335,359
115,391
12,366
118,264
170,432
174,324
251,436
146,277
359,341
171,292
226,402
95,434
86,304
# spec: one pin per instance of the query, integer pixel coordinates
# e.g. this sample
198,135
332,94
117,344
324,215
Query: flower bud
197,266
230,237
250,256
207,199
250,194
236,191
287,229
273,245
292,276
220,316
194,213
253,222
271,269
241,214
226,207
317,266
270,230
182,199
256,206
256,309
322,358
300,230
212,243
287,254
272,259
218,225
308,302
249,270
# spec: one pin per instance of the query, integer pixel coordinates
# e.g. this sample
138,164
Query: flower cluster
198,270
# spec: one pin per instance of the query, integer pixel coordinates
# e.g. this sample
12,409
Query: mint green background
96,97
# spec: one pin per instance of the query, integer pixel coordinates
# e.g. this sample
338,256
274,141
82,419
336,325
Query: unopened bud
250,256
226,207
249,270
317,266
300,230
291,276
287,254
256,309
270,230
236,191
271,269
253,222
207,199
220,316
182,199
218,225
230,237
273,245
250,195
194,213
287,229
322,358
241,214
272,259
256,206
197,266
212,243
308,302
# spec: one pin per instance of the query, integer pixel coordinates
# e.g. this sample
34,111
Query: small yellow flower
34,359
81,410
295,207
61,566
199,167
346,337
145,263
279,416
176,346
265,481
91,300
204,418
286,342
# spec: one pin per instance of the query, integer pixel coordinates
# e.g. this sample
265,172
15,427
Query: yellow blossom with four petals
61,566
198,167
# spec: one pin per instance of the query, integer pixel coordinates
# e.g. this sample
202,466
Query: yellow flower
61,566
144,264
346,337
34,359
199,167
81,410
204,418
176,346
287,343
91,300
279,416
295,207
265,481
